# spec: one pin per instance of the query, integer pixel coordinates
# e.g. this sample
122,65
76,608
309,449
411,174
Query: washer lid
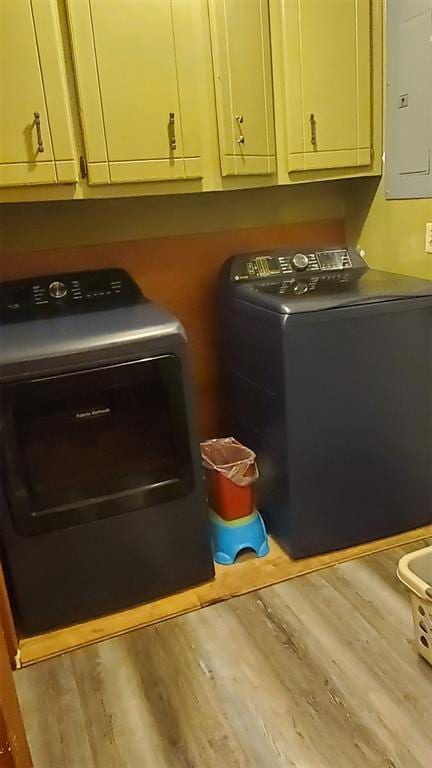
311,293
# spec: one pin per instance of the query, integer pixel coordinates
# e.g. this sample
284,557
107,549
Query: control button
299,262
57,289
16,297
300,288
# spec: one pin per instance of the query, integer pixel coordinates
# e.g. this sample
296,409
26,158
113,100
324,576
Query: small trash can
415,571
231,472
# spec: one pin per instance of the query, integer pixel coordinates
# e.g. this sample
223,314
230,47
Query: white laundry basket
415,571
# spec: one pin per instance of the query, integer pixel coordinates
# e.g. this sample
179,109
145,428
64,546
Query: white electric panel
408,155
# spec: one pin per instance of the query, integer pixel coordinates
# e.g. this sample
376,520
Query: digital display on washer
265,266
273,265
331,259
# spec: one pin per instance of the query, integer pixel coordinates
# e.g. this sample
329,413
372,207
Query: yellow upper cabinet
35,132
135,63
328,83
240,36
193,94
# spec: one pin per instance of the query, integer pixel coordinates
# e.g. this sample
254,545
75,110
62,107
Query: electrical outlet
428,243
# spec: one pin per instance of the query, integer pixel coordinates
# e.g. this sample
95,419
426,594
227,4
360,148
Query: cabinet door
243,82
328,83
35,133
135,66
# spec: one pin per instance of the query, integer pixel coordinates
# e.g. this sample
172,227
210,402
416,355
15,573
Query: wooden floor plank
316,672
230,581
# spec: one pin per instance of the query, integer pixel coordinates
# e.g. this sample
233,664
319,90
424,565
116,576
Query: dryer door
86,445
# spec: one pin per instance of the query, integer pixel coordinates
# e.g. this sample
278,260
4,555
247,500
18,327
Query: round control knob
299,262
57,289
300,288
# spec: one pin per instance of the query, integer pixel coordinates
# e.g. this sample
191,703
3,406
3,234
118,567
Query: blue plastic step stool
230,538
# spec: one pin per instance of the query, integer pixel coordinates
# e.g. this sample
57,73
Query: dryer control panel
282,262
51,295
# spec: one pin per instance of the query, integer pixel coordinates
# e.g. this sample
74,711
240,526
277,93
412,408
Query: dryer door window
86,445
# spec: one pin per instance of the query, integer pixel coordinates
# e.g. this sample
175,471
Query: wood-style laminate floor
317,672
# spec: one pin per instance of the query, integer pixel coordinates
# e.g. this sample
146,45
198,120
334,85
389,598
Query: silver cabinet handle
173,142
40,147
313,130
241,138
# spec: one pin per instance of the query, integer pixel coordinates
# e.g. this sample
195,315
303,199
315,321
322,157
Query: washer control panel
278,263
52,295
299,285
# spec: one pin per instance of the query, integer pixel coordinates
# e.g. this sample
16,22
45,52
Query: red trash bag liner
231,471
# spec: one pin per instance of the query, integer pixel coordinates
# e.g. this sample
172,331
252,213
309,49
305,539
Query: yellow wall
392,232
34,226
